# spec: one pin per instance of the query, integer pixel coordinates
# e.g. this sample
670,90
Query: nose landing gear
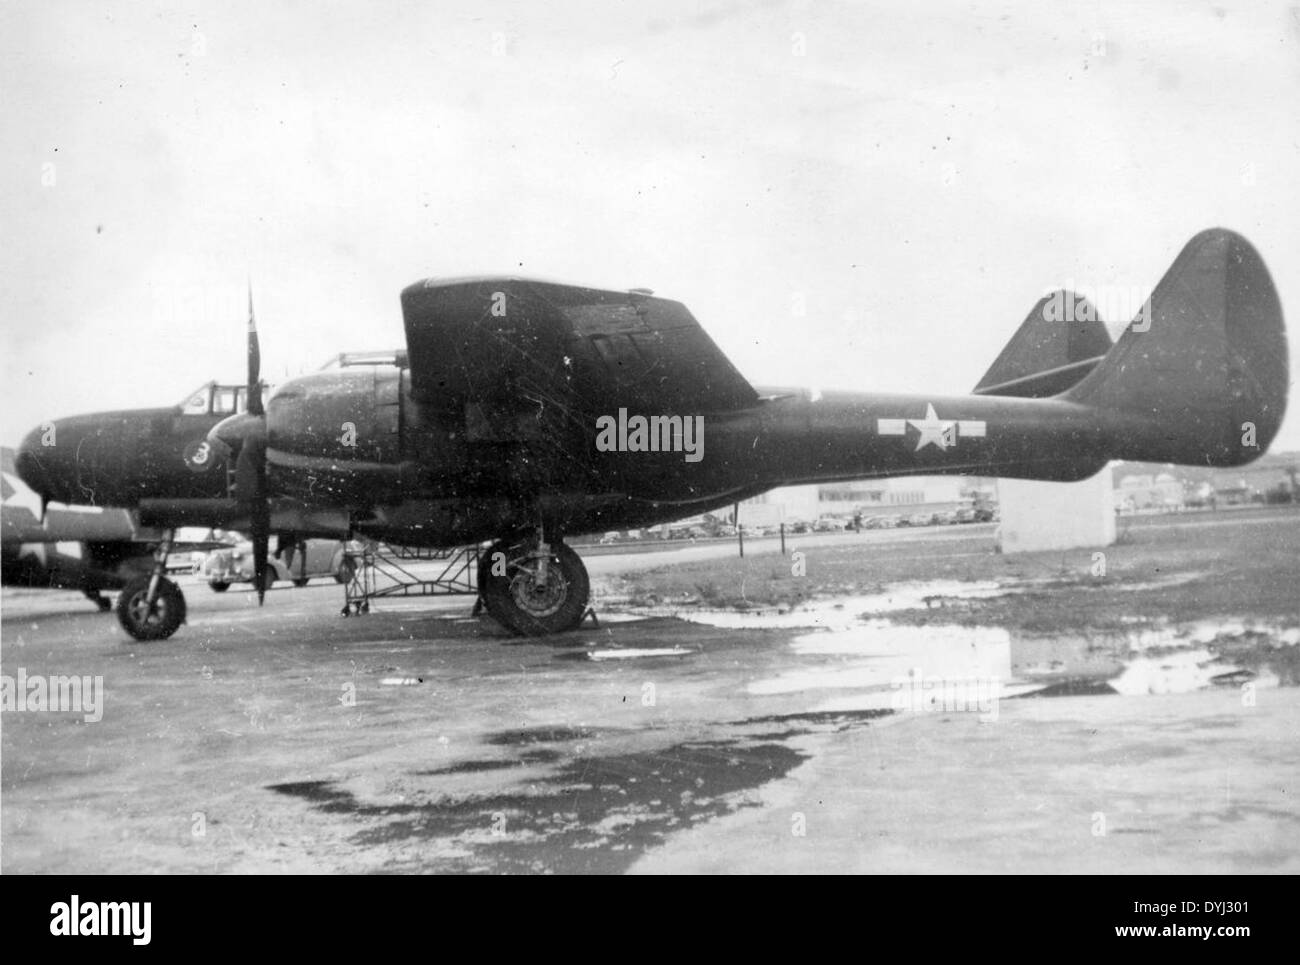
100,601
152,607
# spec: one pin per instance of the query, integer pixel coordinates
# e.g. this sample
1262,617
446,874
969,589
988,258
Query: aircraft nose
33,462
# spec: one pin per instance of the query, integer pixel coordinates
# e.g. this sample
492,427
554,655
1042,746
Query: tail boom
1200,378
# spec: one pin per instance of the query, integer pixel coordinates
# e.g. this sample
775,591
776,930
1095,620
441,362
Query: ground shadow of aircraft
522,412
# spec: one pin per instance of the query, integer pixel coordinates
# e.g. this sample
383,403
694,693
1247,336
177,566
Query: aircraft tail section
1059,342
1200,376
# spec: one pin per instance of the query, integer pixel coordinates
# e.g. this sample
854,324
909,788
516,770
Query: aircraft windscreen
214,399
196,403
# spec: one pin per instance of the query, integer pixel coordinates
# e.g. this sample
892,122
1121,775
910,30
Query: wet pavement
824,737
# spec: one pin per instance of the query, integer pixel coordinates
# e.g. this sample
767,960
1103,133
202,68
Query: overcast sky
913,175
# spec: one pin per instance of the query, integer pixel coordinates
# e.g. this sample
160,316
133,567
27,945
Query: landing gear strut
532,587
103,602
152,607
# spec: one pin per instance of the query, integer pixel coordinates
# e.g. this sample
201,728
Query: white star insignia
934,431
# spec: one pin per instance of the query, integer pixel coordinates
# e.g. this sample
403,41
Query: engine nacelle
336,436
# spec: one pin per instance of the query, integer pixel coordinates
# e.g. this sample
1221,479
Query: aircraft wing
580,349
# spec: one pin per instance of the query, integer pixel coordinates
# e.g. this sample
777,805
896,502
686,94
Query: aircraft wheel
150,622
346,569
219,587
300,582
528,606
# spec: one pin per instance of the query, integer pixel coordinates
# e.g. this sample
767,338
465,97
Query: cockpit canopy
219,398
216,398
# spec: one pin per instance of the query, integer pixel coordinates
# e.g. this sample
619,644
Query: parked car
314,558
691,533
183,562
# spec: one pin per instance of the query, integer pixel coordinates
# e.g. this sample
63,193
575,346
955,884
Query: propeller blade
261,526
250,485
245,435
254,361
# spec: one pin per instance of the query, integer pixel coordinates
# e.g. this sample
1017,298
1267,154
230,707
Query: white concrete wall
1056,516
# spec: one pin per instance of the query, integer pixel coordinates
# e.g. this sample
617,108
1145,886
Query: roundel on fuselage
198,455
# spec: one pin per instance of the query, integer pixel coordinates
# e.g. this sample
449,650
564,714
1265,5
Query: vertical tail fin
1059,342
1201,375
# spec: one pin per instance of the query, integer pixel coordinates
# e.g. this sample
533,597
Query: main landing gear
152,607
532,587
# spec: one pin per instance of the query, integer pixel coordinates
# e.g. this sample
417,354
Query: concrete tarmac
419,739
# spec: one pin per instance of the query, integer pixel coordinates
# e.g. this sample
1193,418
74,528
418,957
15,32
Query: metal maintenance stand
383,570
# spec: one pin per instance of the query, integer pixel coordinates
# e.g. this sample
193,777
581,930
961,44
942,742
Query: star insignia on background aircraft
934,431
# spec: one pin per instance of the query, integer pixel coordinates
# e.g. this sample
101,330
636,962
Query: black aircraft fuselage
118,458
426,479
91,549
521,406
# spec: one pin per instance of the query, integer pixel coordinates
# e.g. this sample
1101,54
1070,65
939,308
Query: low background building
906,496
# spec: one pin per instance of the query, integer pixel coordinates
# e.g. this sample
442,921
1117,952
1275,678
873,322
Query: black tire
515,601
219,587
301,581
346,570
156,622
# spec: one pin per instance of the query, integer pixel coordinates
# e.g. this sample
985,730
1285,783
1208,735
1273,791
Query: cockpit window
213,399
227,400
197,402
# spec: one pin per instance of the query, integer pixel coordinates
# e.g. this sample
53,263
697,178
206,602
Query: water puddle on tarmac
635,653
839,612
842,612
859,659
853,659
